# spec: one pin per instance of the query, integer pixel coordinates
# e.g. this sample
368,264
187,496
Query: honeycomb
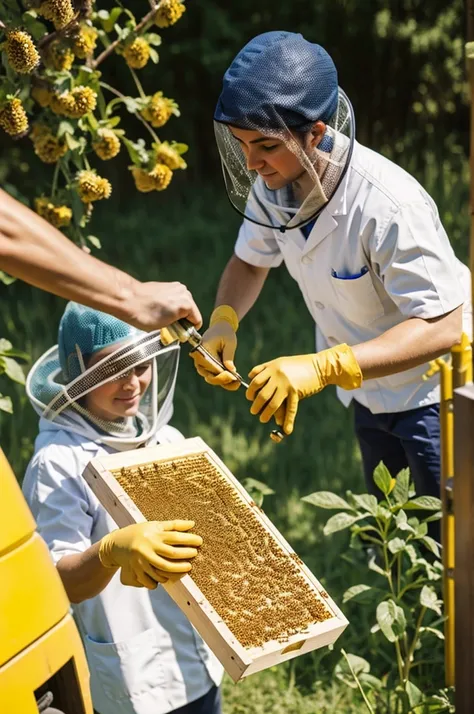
252,583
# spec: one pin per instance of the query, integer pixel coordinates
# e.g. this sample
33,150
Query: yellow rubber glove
221,341
150,553
277,386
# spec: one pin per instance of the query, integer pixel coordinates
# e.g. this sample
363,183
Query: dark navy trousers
210,703
402,439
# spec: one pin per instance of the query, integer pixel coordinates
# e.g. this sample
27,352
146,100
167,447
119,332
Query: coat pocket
357,298
126,669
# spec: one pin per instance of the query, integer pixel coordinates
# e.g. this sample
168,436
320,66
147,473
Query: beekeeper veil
274,92
59,382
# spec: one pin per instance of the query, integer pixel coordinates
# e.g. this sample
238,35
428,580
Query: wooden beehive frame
237,660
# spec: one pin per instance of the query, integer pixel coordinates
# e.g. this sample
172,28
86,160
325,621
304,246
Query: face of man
272,159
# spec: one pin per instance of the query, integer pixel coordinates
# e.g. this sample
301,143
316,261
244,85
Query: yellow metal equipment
40,647
453,374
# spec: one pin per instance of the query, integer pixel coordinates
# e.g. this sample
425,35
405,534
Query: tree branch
108,50
136,114
58,33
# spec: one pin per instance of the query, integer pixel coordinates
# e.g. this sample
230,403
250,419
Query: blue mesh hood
278,78
91,331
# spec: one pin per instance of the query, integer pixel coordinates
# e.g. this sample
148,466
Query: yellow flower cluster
137,53
158,110
92,187
155,180
60,12
169,12
13,117
107,144
75,104
42,95
58,215
47,146
84,41
165,154
59,56
22,54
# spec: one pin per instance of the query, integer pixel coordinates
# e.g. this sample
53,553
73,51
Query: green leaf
433,631
153,39
5,345
112,17
13,370
122,32
415,695
367,502
6,404
94,241
357,592
252,483
154,56
137,151
429,599
132,105
382,478
113,121
425,503
391,620
179,148
72,142
373,565
327,499
65,127
421,530
434,517
383,513
339,522
402,522
36,28
401,489
396,545
6,279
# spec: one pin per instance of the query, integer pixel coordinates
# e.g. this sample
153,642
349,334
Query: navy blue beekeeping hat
278,78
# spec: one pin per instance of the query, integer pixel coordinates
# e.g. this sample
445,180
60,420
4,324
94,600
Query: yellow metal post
447,523
453,374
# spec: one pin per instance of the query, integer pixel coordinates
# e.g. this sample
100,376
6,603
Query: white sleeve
257,244
417,263
59,501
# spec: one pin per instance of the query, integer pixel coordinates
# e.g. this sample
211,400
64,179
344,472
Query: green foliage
11,369
67,82
405,598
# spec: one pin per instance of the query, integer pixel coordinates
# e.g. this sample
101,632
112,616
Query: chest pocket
357,298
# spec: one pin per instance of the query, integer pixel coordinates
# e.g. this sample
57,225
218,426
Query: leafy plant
10,367
52,90
405,599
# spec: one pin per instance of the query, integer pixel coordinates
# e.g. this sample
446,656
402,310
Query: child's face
119,398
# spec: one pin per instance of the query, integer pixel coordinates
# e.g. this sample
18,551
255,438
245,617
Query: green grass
190,239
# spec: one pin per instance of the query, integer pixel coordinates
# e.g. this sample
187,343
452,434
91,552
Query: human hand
220,340
155,305
278,385
151,552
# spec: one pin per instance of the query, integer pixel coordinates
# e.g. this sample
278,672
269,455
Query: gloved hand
277,386
221,341
150,553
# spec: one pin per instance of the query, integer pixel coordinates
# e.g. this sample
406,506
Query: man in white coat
364,242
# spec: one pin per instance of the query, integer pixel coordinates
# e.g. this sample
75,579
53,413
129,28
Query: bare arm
83,574
240,285
409,344
32,250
